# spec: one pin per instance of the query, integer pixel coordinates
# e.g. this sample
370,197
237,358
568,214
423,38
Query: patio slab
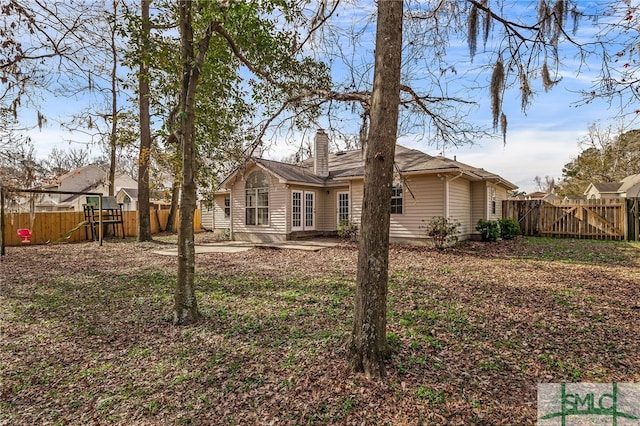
239,246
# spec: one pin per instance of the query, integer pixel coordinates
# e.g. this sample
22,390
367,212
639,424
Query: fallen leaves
85,335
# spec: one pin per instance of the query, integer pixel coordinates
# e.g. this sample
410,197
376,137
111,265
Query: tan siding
278,202
478,203
219,220
318,200
208,221
501,195
330,208
460,205
491,191
325,207
428,202
355,197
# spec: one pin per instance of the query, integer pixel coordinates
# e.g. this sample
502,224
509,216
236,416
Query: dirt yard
86,337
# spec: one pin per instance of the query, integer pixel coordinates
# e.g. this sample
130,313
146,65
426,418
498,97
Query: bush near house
348,230
443,231
509,229
489,229
493,230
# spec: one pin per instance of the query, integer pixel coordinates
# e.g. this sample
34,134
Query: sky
538,143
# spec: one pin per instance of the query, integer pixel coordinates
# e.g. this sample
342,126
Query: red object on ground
25,234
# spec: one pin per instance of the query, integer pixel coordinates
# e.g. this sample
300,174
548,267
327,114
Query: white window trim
303,211
401,197
338,194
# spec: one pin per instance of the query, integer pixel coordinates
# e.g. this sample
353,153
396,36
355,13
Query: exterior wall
278,206
502,194
206,217
221,222
416,212
478,204
460,206
429,201
592,193
329,213
456,198
355,197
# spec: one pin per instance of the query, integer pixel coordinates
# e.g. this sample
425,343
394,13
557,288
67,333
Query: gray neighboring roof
612,187
350,164
131,192
629,182
154,194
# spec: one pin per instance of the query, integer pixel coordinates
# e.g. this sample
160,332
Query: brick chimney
321,154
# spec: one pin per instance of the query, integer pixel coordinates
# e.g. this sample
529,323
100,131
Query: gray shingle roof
607,186
349,164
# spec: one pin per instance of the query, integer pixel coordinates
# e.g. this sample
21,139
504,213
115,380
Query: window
343,207
396,198
257,199
227,206
493,200
296,210
308,210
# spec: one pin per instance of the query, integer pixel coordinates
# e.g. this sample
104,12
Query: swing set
25,233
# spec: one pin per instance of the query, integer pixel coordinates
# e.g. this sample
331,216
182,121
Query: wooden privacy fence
603,219
65,226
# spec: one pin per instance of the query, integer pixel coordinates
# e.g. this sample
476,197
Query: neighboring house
128,197
91,178
629,187
267,200
544,196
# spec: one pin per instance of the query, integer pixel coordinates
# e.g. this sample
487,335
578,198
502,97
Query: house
128,197
91,178
544,196
266,200
629,187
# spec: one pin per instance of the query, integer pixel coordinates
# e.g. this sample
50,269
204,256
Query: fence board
633,219
603,219
50,226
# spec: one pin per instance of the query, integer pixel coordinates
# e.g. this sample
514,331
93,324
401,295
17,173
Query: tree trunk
368,349
144,219
113,137
185,307
173,209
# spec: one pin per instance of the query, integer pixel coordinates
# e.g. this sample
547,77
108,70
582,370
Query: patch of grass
431,395
568,250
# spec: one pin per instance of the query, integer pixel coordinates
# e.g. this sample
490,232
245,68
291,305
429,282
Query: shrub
443,230
509,229
489,229
348,230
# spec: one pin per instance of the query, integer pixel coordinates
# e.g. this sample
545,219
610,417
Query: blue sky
538,143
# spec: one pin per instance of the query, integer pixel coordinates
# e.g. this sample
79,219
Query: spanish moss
472,28
497,89
525,89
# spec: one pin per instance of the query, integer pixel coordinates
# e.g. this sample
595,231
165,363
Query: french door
303,210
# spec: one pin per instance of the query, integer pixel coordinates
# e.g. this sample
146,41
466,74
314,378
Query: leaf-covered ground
85,336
